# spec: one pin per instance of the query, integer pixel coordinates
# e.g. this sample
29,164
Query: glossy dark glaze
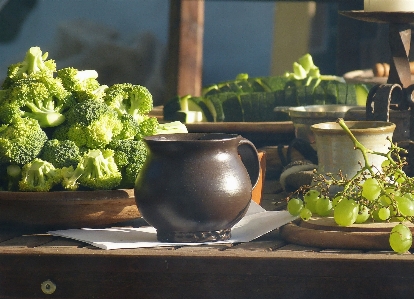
194,183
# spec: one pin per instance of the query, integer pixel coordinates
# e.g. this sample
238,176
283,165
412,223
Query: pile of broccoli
60,129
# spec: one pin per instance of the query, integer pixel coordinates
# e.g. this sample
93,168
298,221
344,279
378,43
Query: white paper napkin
254,224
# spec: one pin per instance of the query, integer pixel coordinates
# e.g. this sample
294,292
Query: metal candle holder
398,92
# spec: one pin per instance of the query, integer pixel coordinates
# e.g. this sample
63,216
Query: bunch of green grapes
371,195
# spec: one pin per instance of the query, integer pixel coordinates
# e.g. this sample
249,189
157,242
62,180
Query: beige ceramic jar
336,150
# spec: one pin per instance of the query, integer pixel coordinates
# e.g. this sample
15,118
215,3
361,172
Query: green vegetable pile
60,129
248,99
371,195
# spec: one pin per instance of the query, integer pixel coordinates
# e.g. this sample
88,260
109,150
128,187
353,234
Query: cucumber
214,102
254,99
331,91
170,109
232,109
197,104
246,105
319,96
291,97
189,116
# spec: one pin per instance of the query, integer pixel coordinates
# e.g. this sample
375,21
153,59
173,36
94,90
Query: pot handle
250,158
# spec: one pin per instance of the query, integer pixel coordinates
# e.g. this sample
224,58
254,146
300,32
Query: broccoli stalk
43,99
171,128
39,175
14,173
70,177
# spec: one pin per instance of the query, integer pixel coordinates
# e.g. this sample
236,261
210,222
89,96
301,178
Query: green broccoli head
70,177
129,156
21,141
34,65
130,127
135,100
40,176
82,84
99,170
92,124
61,153
147,126
43,99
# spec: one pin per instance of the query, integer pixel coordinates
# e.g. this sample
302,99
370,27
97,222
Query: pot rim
320,111
356,127
191,137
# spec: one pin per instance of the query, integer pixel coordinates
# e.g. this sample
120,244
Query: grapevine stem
358,146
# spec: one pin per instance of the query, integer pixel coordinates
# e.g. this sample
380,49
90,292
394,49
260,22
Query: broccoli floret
70,177
148,126
130,127
99,170
10,176
39,175
133,129
93,124
43,99
135,100
82,84
21,141
34,65
129,156
14,174
61,153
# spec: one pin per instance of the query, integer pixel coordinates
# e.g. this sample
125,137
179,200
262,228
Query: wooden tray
260,133
325,233
67,209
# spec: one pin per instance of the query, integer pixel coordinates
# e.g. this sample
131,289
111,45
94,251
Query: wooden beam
185,48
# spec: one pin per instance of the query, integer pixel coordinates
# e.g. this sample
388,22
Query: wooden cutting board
325,233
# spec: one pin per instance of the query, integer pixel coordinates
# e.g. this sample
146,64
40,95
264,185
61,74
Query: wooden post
185,48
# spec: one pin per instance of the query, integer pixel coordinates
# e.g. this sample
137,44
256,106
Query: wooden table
268,267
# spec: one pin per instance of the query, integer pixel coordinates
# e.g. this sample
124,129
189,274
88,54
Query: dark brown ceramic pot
195,186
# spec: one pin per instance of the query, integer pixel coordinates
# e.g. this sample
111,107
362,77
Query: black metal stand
397,93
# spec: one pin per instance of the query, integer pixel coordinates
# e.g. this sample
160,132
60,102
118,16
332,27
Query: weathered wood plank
27,241
185,46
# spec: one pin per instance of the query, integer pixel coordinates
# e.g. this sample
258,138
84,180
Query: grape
390,190
399,177
385,200
371,189
323,206
385,164
346,212
384,213
400,238
294,206
310,198
405,205
363,214
305,214
375,216
409,196
336,200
